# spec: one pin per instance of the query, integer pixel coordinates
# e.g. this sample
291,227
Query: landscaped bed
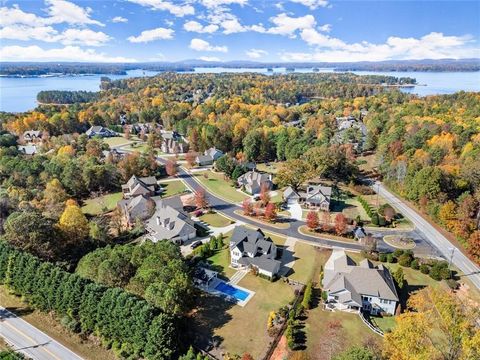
278,224
217,185
101,204
306,231
399,242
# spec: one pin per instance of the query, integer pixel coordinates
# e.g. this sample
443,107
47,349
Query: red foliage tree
340,224
200,197
171,167
270,212
190,158
326,221
312,220
247,207
265,194
247,356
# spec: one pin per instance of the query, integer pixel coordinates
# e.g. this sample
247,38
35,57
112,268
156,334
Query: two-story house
315,197
136,186
252,249
352,287
253,182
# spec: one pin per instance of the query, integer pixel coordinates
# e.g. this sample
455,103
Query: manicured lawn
243,329
221,262
278,197
52,327
309,260
272,167
216,220
173,188
117,140
101,204
137,147
386,324
278,240
353,331
216,184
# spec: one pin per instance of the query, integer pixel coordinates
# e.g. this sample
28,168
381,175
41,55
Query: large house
147,186
32,136
252,249
173,143
100,131
138,208
209,157
27,149
253,181
315,196
352,287
169,222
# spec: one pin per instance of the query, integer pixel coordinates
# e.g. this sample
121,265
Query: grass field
242,329
309,260
216,220
117,140
219,186
101,204
173,187
49,325
272,167
221,262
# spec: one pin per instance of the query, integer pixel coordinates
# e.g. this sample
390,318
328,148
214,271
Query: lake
20,94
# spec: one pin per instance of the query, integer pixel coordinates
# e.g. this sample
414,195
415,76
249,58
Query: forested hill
66,97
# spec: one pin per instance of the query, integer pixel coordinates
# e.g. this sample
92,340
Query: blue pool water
232,291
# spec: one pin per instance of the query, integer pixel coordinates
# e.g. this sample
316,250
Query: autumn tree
265,194
340,224
270,212
447,215
474,245
54,197
312,220
293,173
326,221
73,222
247,206
190,157
200,198
171,167
247,356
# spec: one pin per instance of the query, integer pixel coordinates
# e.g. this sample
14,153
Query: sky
225,30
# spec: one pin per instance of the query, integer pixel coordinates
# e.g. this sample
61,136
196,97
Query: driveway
296,211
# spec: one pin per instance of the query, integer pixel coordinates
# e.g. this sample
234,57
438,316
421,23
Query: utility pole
452,249
378,189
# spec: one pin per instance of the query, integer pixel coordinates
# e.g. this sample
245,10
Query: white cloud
431,46
12,16
217,3
286,25
62,11
194,26
209,58
119,19
68,53
202,45
312,4
151,35
85,37
256,53
177,10
325,28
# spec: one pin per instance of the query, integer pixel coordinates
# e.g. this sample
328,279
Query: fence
369,324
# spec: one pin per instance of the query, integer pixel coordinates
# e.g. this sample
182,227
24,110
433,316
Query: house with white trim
314,197
363,287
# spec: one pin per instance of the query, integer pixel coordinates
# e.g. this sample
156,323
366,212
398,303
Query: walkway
30,341
239,275
288,256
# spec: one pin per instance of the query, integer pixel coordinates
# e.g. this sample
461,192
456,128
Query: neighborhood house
253,182
169,222
251,249
100,131
209,157
138,208
32,136
315,196
173,143
140,186
354,288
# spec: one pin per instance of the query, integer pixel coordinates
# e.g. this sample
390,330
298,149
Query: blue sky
260,30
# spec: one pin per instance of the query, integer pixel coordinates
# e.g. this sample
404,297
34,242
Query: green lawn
101,204
216,184
272,167
243,329
216,220
308,261
117,140
386,323
278,197
173,188
221,262
138,147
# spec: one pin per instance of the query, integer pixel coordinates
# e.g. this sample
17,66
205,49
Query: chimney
158,220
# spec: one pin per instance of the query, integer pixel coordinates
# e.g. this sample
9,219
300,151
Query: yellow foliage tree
73,222
67,151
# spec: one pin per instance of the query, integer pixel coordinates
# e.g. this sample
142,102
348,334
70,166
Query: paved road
30,341
441,242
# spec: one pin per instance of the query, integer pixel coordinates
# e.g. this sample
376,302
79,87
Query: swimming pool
232,291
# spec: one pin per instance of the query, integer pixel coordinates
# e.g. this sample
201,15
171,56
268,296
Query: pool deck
212,290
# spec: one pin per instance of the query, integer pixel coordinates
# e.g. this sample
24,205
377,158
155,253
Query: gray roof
32,133
28,149
140,185
254,179
289,193
204,158
138,207
169,223
342,273
214,153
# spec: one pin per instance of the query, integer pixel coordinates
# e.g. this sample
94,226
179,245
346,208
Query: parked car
196,244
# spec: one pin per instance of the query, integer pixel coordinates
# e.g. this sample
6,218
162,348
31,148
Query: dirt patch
281,351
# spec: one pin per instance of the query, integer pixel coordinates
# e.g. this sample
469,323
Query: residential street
30,341
441,242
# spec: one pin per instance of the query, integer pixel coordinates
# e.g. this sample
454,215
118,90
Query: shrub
397,253
439,271
307,296
405,260
390,258
453,284
415,265
382,257
424,269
